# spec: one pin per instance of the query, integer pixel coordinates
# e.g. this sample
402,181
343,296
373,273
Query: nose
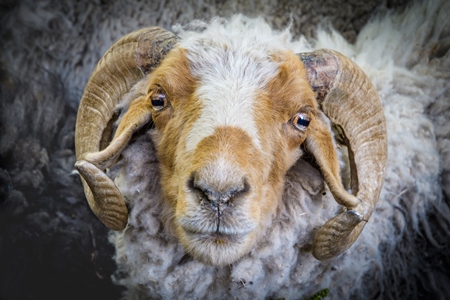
218,195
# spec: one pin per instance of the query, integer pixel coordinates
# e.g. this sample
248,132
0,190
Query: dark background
51,245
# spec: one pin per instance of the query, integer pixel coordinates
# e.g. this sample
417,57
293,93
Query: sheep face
229,126
230,113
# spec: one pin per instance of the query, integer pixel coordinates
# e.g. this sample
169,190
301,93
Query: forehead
238,66
229,77
232,80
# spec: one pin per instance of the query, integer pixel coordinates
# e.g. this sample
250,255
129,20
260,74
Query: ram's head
229,120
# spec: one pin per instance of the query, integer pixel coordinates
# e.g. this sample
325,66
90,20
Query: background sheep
37,140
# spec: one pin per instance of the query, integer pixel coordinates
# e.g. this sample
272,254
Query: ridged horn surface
349,99
126,62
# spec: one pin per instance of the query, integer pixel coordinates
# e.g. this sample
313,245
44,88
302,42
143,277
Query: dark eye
159,100
301,121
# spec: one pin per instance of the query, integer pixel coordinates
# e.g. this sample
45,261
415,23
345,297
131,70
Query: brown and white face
226,137
229,123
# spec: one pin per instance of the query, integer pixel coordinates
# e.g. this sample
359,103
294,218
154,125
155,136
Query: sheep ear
137,115
103,196
339,233
320,143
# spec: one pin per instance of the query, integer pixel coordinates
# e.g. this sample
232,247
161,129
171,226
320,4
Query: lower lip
216,237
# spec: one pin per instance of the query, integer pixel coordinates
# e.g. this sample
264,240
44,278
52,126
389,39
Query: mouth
216,247
208,225
214,238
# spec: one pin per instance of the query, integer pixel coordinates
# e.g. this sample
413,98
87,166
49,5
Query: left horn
347,96
127,61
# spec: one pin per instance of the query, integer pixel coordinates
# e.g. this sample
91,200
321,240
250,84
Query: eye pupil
301,121
158,100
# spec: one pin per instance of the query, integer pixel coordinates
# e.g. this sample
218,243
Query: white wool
396,51
241,32
235,64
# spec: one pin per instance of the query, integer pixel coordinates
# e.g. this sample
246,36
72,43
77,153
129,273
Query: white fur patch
232,66
224,104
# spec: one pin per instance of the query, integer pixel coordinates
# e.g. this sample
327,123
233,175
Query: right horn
349,99
126,62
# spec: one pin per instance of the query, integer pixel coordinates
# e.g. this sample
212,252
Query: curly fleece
406,56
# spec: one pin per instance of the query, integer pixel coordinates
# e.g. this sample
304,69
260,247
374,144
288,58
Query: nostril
218,193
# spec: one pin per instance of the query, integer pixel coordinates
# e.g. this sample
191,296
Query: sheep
279,262
230,116
49,49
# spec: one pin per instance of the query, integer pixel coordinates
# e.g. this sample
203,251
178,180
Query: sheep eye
159,100
301,121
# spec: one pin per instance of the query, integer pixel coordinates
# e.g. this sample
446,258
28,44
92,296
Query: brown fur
228,159
285,95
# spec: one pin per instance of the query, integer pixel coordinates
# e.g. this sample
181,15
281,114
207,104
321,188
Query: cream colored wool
398,52
48,51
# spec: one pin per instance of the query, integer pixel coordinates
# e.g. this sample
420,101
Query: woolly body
49,49
280,264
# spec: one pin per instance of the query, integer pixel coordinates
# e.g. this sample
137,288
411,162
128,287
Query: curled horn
346,95
127,61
